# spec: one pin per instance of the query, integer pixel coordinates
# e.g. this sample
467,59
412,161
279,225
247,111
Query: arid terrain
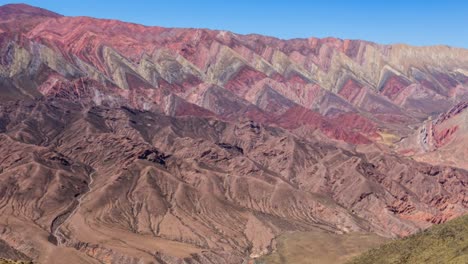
320,247
122,143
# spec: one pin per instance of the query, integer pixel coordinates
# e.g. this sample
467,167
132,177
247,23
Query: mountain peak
17,9
22,17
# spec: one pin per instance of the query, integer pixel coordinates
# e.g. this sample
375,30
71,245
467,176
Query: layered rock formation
441,140
128,144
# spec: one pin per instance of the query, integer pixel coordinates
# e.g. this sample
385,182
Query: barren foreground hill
122,143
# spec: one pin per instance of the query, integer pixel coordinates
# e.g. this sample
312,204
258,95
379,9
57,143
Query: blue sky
415,22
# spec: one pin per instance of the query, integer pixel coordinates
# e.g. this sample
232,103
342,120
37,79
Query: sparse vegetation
446,243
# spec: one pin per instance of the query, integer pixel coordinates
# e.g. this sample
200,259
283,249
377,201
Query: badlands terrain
122,143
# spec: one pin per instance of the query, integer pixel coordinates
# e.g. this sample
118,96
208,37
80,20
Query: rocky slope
119,185
127,144
441,140
345,89
7,253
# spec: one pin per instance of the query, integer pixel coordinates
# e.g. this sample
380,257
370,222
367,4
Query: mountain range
124,143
